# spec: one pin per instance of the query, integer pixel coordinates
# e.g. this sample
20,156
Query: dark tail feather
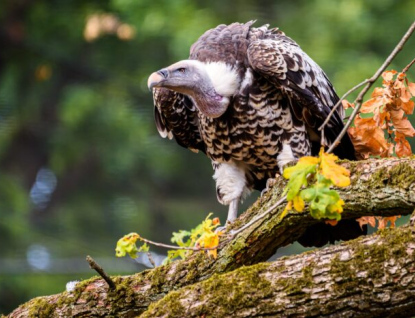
320,234
345,150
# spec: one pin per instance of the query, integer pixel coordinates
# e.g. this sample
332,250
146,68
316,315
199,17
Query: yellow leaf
288,207
332,171
302,164
298,203
126,244
209,240
337,207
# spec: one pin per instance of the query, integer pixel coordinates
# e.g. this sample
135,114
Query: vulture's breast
253,128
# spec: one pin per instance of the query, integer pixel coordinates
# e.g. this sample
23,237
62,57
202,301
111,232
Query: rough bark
378,187
369,277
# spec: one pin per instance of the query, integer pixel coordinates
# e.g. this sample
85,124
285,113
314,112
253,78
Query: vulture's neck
213,97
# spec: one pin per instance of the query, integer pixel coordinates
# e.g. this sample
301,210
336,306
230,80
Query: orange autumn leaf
368,139
401,123
399,84
378,91
402,147
381,118
331,222
371,105
407,107
383,221
366,220
346,104
411,88
388,75
405,95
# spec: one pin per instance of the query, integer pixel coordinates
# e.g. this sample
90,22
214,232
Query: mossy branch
368,277
382,187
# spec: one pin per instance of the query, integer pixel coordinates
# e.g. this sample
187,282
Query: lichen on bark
378,187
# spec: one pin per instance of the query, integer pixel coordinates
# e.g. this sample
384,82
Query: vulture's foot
269,184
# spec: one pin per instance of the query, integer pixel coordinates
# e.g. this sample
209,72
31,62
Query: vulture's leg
233,210
231,185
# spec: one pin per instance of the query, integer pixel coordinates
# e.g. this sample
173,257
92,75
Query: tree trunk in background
366,277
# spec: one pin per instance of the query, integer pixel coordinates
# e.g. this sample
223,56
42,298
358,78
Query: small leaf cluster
310,181
203,236
385,112
127,245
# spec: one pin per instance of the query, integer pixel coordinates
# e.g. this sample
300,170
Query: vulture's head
209,85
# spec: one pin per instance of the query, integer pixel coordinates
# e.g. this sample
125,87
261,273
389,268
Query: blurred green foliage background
81,163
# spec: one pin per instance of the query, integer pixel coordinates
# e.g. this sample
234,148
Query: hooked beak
156,79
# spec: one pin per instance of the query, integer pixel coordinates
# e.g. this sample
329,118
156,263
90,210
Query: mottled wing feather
284,63
311,94
225,43
161,124
175,116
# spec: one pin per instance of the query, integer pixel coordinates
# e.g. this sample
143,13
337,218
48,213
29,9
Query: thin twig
321,128
101,272
359,99
259,217
175,247
408,66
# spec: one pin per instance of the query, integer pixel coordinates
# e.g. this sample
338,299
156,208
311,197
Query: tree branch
408,66
382,187
368,277
94,265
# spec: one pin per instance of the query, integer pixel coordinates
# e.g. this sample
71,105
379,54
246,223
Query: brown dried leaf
408,107
378,91
411,88
401,123
383,221
368,139
371,105
346,104
381,117
388,75
366,220
331,222
405,96
402,147
398,84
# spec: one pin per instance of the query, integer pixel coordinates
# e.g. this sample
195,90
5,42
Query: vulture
252,100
